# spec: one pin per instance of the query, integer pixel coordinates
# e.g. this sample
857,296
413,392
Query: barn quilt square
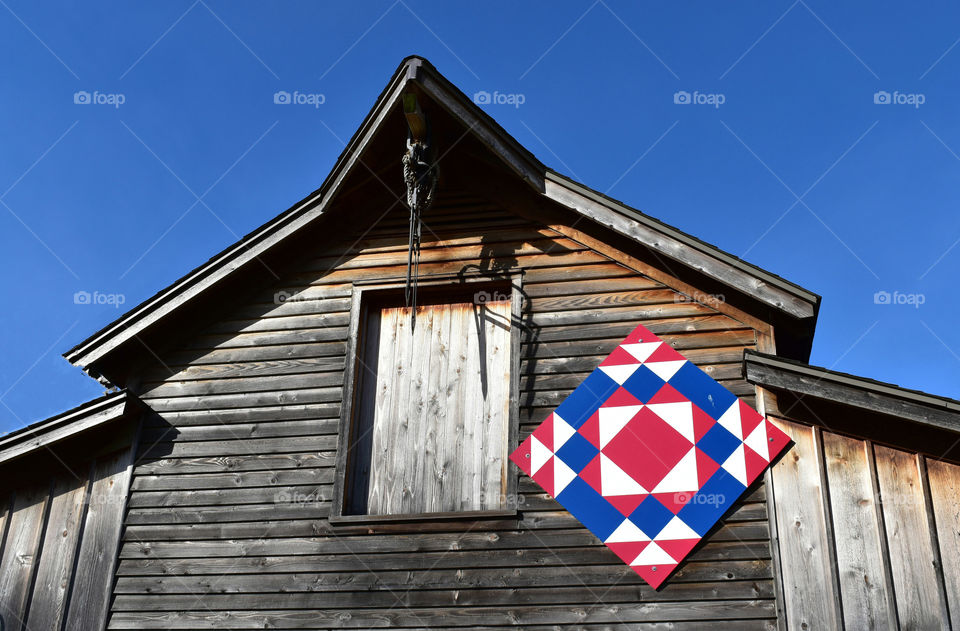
648,453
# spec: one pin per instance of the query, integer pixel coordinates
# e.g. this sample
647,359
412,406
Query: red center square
647,448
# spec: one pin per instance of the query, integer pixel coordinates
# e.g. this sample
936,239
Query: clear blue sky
102,198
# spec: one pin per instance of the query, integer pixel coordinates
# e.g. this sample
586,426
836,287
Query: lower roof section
80,419
865,395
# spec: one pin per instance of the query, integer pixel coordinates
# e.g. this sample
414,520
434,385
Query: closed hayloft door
438,415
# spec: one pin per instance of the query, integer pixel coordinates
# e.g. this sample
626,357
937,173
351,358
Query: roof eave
63,426
868,395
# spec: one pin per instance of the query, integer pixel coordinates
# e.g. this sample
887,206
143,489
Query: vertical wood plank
20,552
809,596
919,605
93,581
457,367
945,493
352,464
496,407
766,404
54,571
857,533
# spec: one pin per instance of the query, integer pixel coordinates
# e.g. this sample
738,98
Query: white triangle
539,454
615,481
627,532
641,351
666,370
730,420
678,415
561,432
683,477
736,465
620,373
676,529
653,555
613,419
757,441
562,475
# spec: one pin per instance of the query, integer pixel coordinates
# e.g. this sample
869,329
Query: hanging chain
421,179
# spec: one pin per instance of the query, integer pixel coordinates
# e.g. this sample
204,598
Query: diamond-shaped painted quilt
648,453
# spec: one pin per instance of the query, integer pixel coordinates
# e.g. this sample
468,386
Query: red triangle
621,398
755,464
654,577
591,474
628,550
619,357
702,422
749,418
776,440
667,394
675,501
591,429
626,504
640,334
664,353
544,432
521,456
544,477
706,467
678,548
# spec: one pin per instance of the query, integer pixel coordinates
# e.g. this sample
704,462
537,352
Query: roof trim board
707,259
70,423
866,394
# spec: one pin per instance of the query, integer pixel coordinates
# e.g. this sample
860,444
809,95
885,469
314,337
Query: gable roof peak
417,73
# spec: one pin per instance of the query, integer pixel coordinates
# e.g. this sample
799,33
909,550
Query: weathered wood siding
59,535
227,524
867,534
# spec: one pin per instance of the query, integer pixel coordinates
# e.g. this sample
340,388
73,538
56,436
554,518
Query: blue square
711,501
703,390
590,509
577,452
587,398
651,516
719,443
643,384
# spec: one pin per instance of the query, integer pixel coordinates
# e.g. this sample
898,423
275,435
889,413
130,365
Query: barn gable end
265,475
241,451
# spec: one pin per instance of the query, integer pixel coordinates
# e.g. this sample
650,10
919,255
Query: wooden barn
283,446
